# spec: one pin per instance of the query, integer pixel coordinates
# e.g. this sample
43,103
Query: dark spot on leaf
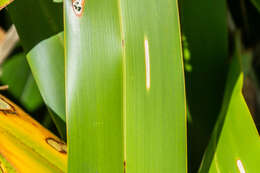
123,43
124,166
57,145
5,107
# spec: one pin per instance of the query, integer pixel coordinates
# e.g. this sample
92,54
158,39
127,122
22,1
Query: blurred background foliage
208,33
209,28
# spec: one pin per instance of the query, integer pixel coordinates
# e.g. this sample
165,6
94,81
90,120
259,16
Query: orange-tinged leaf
26,145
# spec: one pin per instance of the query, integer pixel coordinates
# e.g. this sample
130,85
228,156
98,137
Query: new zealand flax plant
104,84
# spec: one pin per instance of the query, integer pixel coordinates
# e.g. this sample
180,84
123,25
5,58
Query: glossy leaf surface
47,63
124,87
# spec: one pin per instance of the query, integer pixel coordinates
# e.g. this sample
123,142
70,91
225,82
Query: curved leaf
46,60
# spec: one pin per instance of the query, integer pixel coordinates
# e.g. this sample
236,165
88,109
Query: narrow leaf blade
154,87
94,87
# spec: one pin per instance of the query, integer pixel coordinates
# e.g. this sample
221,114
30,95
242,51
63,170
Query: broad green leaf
4,3
235,143
94,93
18,77
204,25
46,60
125,96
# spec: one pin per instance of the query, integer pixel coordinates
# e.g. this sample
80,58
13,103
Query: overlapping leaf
235,143
47,63
45,54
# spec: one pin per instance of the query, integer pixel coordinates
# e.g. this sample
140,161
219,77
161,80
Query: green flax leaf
125,96
235,144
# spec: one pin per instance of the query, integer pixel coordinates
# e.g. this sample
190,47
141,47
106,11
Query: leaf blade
228,149
103,87
46,60
155,97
